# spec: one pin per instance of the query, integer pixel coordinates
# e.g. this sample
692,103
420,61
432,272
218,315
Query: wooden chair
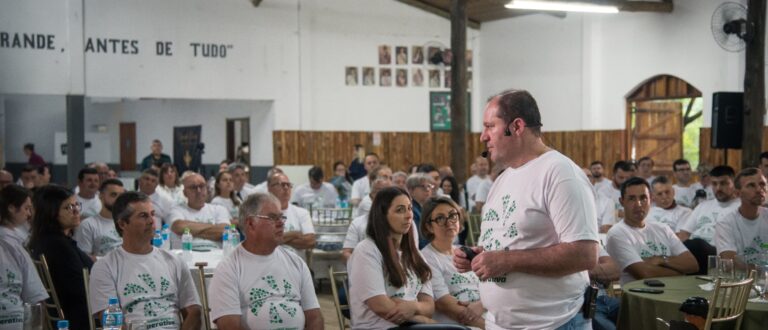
339,277
729,302
86,280
473,228
204,294
51,306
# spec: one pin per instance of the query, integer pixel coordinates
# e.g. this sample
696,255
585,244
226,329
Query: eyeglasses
453,217
76,206
427,186
199,187
285,185
275,218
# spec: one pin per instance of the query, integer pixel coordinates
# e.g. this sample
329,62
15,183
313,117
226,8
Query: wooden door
657,132
127,146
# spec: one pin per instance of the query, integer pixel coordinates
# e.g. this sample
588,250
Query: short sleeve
689,225
621,250
306,222
308,297
366,277
224,297
676,247
32,291
351,239
725,235
572,209
439,288
358,191
102,285
177,213
684,215
221,215
187,295
84,236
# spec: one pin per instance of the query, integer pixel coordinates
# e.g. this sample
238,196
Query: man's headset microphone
507,132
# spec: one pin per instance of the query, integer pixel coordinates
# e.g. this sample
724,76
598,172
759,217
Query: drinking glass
726,269
713,266
33,316
761,281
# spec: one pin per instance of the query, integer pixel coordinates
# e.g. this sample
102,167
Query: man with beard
698,232
596,168
97,235
645,249
741,235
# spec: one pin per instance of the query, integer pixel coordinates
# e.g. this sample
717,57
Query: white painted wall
33,119
581,67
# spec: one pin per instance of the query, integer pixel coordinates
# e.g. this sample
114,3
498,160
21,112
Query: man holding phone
644,249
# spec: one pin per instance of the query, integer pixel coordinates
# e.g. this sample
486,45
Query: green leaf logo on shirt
653,249
258,298
145,292
511,231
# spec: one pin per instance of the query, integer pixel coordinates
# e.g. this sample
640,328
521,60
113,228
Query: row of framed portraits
404,77
417,55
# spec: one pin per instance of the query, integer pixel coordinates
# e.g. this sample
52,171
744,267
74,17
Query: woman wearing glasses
57,214
457,295
404,293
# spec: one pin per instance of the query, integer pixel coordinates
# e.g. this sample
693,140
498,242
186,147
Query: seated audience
6,178
705,181
739,234
160,203
645,249
420,187
88,183
622,170
482,167
698,231
262,187
356,229
431,171
645,169
450,188
170,186
389,282
57,214
224,194
379,172
596,168
151,284
685,188
316,193
97,235
341,180
206,222
299,231
666,211
28,178
240,178
43,175
604,207
248,294
362,186
457,295
20,284
398,179
15,214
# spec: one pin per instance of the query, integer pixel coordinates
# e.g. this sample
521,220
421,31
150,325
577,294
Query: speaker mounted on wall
727,119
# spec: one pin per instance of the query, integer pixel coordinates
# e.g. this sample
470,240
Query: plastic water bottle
62,325
225,243
344,203
166,233
113,315
186,245
234,237
157,241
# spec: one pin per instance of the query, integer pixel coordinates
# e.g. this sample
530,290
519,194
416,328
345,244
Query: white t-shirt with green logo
151,287
447,280
97,236
19,284
701,223
736,233
297,219
267,292
367,280
672,217
209,213
544,202
629,245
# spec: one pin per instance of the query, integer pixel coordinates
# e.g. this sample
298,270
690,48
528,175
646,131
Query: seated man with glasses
261,284
299,230
420,186
152,284
206,222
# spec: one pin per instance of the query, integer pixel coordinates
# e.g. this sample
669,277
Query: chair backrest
336,278
729,301
86,280
473,229
204,294
51,306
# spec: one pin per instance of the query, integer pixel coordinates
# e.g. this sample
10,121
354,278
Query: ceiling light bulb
562,6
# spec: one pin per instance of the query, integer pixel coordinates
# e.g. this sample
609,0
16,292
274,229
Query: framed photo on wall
440,111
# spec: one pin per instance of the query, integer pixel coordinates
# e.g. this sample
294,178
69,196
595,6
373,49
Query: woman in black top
57,214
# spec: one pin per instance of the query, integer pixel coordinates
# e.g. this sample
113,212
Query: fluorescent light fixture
562,6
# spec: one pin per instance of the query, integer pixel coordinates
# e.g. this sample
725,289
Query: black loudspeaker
727,119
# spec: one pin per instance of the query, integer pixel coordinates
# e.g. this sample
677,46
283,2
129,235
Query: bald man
206,222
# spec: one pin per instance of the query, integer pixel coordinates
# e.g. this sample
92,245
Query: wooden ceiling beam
438,11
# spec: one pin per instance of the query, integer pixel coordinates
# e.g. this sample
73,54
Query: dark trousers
700,250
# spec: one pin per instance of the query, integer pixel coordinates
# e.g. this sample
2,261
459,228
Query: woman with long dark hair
57,214
224,194
389,280
15,213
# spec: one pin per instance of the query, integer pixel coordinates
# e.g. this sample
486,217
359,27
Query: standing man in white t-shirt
539,231
206,222
698,232
97,235
262,285
473,183
685,189
88,183
740,234
645,249
666,211
362,186
299,230
150,283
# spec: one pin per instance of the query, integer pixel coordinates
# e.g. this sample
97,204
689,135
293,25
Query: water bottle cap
113,300
62,324
165,226
157,231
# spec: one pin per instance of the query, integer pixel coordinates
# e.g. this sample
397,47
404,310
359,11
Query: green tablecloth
640,310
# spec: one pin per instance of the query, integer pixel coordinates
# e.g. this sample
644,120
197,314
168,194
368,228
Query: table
640,310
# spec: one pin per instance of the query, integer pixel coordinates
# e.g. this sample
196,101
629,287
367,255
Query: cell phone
654,283
471,254
646,290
